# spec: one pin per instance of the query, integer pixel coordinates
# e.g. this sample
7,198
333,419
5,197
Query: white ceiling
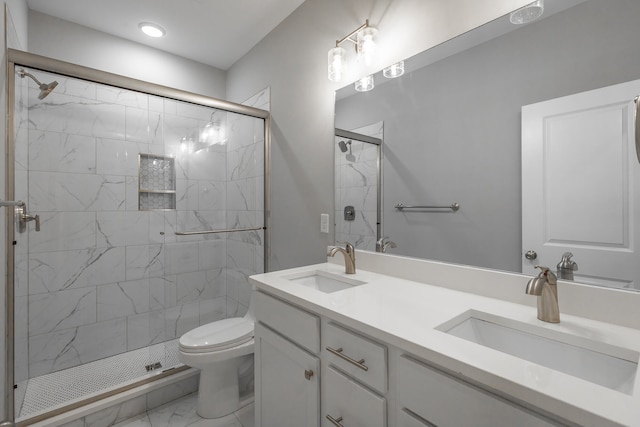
213,32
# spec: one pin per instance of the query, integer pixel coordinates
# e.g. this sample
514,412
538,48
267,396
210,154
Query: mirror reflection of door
357,186
581,185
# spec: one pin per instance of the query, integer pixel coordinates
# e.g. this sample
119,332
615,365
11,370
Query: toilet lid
218,335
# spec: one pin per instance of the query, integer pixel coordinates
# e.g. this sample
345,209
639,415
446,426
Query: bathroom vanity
406,342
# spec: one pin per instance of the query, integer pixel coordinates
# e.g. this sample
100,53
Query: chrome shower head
45,89
343,145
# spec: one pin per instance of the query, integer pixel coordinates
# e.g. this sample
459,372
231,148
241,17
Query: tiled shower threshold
51,392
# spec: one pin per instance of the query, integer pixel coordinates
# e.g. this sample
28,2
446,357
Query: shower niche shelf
156,182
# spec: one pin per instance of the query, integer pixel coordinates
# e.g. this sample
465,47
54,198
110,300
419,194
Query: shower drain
153,366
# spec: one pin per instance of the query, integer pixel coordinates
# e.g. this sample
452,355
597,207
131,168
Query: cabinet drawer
356,405
299,326
439,398
368,359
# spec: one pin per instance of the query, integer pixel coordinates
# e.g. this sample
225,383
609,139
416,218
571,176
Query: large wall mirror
529,129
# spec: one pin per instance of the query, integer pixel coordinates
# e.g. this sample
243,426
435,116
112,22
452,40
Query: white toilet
221,350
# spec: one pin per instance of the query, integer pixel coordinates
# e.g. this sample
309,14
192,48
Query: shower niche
157,182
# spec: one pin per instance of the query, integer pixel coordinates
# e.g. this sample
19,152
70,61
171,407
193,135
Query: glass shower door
107,286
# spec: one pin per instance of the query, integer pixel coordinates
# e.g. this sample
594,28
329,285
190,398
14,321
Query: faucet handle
547,273
348,246
567,262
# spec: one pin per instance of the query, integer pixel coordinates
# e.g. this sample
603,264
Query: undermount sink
323,281
593,361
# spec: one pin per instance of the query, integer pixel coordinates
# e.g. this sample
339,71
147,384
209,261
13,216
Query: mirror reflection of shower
343,147
45,88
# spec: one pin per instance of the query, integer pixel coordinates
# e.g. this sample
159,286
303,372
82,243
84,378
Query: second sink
608,366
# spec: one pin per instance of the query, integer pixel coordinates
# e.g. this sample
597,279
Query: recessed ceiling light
152,30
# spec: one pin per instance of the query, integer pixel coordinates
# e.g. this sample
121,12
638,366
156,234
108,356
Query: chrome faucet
566,267
545,287
383,243
349,257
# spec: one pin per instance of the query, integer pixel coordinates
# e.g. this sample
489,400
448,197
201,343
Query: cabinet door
287,382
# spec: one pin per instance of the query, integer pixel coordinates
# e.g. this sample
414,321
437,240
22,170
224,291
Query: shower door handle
21,213
24,218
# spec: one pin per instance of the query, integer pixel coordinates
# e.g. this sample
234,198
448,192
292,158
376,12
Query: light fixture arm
349,36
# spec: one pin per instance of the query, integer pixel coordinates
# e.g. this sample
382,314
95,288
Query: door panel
287,384
580,181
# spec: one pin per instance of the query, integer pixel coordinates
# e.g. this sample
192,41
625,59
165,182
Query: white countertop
405,313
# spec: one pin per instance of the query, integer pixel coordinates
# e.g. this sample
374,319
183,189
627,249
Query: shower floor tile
48,392
182,413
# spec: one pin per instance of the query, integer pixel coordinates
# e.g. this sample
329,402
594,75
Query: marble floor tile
182,413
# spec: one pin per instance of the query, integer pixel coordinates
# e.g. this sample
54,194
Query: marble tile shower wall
356,185
245,203
102,277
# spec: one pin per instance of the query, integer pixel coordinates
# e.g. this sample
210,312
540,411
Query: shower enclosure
358,186
151,207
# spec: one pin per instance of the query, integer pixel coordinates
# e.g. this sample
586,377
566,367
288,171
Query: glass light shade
152,30
187,145
214,133
528,13
337,64
365,84
366,44
393,71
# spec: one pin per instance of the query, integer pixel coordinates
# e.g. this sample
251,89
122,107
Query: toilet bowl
217,349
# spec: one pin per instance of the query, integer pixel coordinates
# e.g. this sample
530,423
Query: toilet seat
216,336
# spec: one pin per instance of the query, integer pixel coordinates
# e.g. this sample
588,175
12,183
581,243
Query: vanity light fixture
528,13
152,30
364,39
364,84
393,71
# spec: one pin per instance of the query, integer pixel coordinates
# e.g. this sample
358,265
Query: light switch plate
324,223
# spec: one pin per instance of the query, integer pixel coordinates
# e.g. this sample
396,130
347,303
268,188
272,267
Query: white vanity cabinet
313,371
354,379
428,397
287,387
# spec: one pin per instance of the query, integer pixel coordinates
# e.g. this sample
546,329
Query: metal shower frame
17,58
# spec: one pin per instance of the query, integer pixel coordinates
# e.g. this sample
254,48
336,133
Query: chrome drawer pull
359,363
336,422
424,421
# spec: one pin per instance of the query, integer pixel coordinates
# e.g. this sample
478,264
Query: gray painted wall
292,60
67,41
452,129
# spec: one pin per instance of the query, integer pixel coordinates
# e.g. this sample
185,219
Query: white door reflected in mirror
579,169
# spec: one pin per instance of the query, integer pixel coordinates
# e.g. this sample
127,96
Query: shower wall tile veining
356,184
104,277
